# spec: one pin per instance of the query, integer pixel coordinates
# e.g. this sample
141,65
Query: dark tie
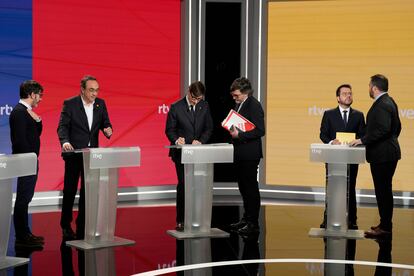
345,117
237,107
192,111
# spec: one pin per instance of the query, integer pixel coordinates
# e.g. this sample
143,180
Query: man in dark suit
25,129
344,119
81,119
189,122
247,155
382,151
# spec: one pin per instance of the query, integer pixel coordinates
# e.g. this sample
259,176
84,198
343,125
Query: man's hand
355,143
234,132
196,142
335,142
180,141
108,131
67,147
34,115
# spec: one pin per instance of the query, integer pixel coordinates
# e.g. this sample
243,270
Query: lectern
338,158
101,167
11,166
198,163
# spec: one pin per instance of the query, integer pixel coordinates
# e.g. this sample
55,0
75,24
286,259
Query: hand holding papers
234,119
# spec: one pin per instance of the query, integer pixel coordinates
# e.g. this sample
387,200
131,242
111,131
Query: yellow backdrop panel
313,47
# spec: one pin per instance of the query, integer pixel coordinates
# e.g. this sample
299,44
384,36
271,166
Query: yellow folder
345,137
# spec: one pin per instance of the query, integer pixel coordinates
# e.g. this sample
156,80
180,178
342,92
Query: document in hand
237,120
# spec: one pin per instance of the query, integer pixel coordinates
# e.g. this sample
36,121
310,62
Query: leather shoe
28,241
375,227
323,224
68,234
179,227
238,225
352,226
378,233
249,229
39,238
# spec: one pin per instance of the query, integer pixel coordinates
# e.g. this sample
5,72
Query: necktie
345,117
192,111
236,108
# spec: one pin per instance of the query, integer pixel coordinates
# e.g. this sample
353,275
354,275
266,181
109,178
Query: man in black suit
247,154
382,151
25,129
189,122
344,119
81,119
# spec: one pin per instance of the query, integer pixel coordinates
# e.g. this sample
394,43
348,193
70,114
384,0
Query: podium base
322,232
9,262
213,233
87,245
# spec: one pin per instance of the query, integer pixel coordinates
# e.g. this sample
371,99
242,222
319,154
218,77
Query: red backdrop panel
133,49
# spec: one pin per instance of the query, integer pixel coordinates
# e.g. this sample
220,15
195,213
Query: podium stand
338,158
101,182
11,166
198,163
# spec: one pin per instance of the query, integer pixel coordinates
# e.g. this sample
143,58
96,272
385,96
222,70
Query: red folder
237,120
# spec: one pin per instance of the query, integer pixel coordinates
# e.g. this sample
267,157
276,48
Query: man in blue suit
25,130
343,118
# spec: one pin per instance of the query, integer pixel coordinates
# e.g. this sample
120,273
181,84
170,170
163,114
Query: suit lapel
96,110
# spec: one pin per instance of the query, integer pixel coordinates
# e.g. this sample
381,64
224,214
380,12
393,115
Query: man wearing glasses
81,119
25,129
189,122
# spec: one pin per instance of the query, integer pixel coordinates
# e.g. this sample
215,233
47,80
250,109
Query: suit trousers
73,170
246,175
24,194
382,174
180,197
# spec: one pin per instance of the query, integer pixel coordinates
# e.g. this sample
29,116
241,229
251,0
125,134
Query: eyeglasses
93,90
346,94
199,98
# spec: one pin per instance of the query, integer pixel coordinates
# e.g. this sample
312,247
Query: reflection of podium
194,251
198,163
339,249
99,262
101,182
338,158
11,166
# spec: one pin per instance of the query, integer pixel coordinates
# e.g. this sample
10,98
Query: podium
198,163
338,158
101,167
11,166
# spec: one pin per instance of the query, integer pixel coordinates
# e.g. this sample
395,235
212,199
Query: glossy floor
282,248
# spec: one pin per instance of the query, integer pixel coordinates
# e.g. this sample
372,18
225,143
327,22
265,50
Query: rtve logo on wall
405,113
5,110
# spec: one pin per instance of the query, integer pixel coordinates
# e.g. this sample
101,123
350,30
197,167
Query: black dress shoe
39,238
378,233
352,226
238,225
375,227
323,224
28,241
249,229
179,227
68,234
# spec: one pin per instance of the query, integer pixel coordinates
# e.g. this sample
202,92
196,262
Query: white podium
11,166
198,163
101,167
338,158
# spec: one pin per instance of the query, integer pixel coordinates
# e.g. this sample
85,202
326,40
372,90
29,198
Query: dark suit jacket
180,123
249,144
332,123
383,129
73,124
24,131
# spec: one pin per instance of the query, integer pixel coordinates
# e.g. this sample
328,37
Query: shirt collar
25,104
379,95
343,109
84,103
